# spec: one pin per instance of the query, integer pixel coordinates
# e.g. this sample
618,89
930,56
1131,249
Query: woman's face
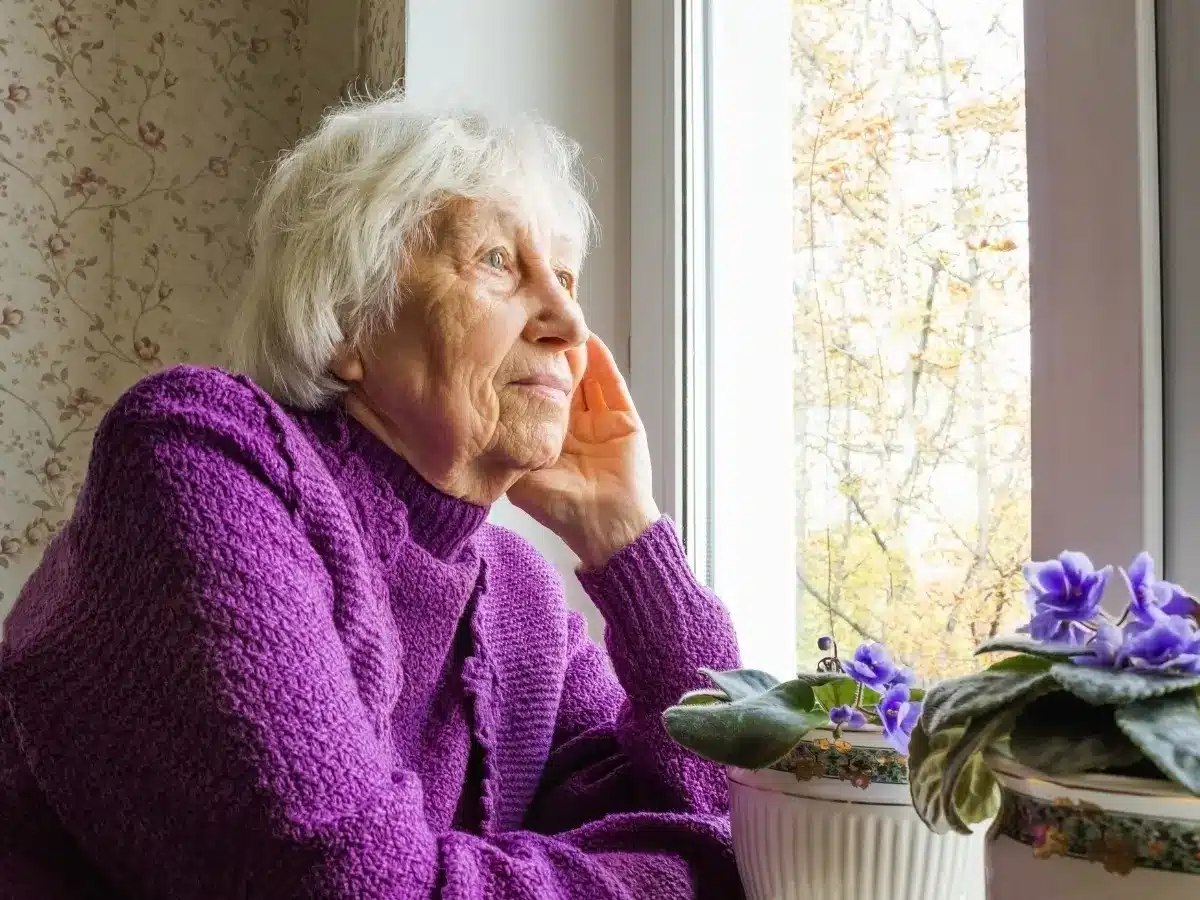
472,383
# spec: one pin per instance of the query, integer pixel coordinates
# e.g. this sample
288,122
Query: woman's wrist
610,534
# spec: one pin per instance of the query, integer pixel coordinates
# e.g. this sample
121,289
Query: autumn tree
912,386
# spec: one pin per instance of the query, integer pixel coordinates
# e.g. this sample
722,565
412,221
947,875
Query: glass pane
912,385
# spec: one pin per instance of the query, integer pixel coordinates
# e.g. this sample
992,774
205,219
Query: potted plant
1089,736
818,780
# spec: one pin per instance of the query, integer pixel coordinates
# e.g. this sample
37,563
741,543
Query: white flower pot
839,825
1093,837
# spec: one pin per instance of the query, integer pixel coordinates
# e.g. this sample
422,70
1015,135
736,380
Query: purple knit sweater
265,659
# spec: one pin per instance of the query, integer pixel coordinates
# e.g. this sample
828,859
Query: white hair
341,211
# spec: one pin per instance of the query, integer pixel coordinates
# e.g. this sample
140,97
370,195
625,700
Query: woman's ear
346,365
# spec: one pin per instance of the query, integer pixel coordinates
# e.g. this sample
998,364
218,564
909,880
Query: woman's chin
532,447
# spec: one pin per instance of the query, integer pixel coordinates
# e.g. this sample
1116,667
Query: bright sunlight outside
912,359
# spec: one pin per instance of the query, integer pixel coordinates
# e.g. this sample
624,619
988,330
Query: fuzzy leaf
1059,734
976,798
958,700
951,787
1167,729
926,762
819,678
740,683
1019,643
752,732
966,778
702,697
1103,687
1021,663
842,691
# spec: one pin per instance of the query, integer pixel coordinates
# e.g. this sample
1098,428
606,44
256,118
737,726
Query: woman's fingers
578,401
601,367
593,395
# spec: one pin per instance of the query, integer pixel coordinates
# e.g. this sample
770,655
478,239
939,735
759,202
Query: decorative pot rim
1121,822
857,766
846,729
1002,763
822,788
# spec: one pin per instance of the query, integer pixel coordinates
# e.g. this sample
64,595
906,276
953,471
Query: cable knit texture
266,660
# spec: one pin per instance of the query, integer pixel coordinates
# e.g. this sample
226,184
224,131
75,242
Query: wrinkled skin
488,382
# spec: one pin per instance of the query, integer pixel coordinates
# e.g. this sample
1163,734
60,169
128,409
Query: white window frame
1097,413
1179,85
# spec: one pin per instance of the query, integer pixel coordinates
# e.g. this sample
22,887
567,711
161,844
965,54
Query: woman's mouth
554,387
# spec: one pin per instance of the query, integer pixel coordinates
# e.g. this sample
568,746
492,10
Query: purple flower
825,643
873,666
1170,645
899,715
1150,597
848,716
1063,593
1104,650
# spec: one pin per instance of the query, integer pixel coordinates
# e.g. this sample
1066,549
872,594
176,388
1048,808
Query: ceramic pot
1099,837
835,821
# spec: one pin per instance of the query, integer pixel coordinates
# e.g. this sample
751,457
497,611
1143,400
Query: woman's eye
564,278
495,259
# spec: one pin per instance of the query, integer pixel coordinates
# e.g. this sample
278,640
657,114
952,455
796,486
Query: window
896,319
911,333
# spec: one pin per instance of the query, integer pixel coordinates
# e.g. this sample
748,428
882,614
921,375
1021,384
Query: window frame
1178,30
1095,273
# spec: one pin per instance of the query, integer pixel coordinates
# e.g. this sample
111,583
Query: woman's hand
598,496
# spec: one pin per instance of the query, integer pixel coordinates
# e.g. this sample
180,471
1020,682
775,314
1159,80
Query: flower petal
1094,587
1141,570
1046,577
1172,599
1075,565
1046,627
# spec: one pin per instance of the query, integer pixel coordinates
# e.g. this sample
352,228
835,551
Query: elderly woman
279,651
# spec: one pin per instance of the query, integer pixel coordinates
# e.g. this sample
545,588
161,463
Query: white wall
568,62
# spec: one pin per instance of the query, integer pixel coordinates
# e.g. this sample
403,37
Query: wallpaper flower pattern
132,136
381,43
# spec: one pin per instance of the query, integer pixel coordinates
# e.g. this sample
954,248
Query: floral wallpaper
381,43
132,136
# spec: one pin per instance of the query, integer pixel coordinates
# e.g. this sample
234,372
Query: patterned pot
1099,837
834,821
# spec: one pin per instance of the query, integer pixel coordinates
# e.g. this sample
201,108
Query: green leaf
967,777
740,683
1167,729
818,678
842,691
1104,687
1026,665
976,798
951,787
702,697
926,763
1019,643
752,732
1059,734
959,700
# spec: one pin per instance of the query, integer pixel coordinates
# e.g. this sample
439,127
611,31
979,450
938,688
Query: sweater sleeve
191,714
611,749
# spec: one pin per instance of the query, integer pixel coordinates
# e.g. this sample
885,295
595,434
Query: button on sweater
265,659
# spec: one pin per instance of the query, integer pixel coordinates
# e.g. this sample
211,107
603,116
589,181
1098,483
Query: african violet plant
1086,692
752,720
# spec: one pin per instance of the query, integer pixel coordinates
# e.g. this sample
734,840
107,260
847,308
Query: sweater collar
440,523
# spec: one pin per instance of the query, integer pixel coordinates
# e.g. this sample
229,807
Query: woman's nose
556,316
